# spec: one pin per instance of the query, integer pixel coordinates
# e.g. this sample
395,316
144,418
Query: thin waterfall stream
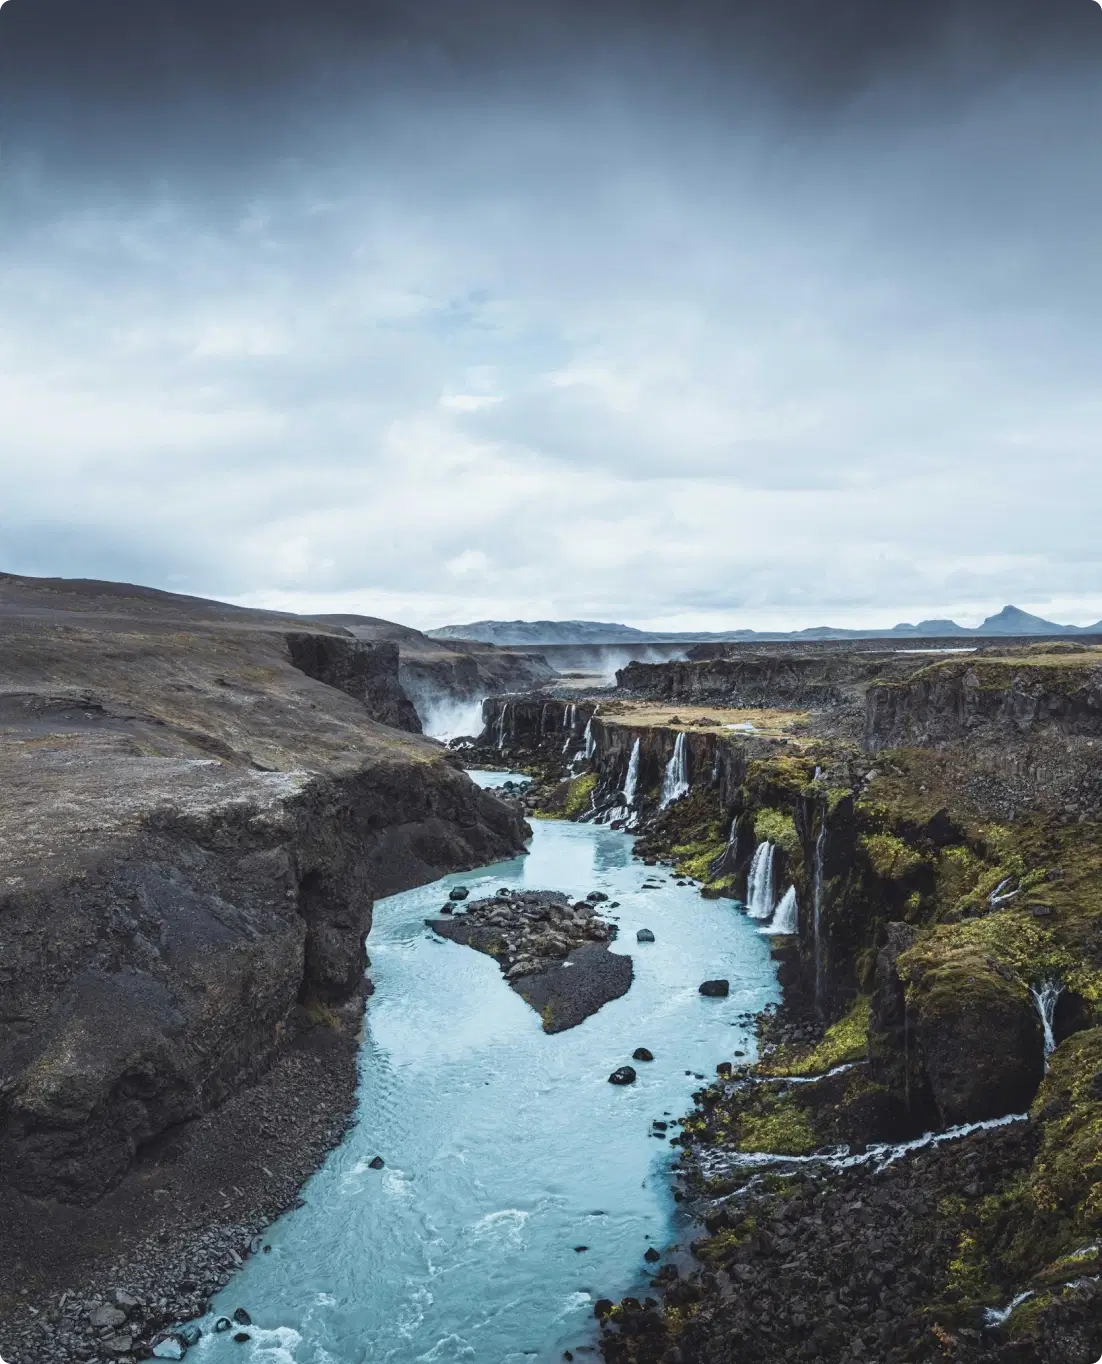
518,1185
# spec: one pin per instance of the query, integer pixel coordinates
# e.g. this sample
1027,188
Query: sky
762,313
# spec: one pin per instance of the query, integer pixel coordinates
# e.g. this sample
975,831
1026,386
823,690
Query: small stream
504,1148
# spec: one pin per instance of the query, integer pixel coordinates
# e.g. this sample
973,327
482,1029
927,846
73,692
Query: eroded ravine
504,1148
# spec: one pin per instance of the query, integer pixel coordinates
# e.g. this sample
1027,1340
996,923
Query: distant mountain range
533,633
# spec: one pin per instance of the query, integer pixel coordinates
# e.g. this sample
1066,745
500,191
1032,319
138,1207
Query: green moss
785,1130
844,1041
774,826
575,800
889,857
696,859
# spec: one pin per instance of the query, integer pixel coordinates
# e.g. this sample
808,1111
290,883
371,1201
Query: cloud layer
732,323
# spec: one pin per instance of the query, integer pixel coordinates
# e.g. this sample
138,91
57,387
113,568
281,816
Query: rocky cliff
199,812
942,965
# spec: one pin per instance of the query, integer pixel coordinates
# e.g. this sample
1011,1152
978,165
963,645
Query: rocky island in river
554,953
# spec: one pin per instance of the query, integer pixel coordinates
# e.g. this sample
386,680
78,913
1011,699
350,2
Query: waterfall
675,783
631,780
786,920
590,741
759,884
1045,997
817,914
503,720
568,725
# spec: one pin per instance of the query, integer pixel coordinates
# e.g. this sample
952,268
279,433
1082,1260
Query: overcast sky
697,316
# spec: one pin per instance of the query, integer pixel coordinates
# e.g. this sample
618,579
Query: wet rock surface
552,951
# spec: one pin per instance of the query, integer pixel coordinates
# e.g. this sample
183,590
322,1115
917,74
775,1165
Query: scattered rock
652,1256
458,893
625,1075
169,1347
716,989
106,1315
642,1054
596,897
242,1317
223,1324
644,935
376,1163
241,1337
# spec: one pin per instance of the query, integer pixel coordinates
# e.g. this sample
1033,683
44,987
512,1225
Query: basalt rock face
1061,693
192,836
535,725
782,678
439,675
366,672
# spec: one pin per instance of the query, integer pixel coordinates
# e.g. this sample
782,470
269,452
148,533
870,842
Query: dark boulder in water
625,1075
458,893
642,1054
716,989
652,1256
596,897
242,1317
644,935
376,1164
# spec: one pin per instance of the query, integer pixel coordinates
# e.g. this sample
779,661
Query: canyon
205,803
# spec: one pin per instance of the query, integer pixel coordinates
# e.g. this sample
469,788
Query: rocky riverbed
554,952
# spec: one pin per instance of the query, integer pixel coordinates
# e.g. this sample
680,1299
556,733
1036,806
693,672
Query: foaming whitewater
786,918
1045,998
504,1147
445,719
879,1156
760,899
631,780
675,782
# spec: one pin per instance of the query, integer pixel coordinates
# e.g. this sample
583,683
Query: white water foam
880,1155
1045,997
631,780
675,783
759,884
786,919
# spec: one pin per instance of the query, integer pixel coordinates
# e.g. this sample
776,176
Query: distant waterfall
590,741
675,783
631,781
759,885
786,920
817,914
568,725
502,723
1045,998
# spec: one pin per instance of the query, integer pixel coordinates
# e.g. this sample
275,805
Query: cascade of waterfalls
675,783
760,900
502,724
786,919
1045,997
631,780
817,914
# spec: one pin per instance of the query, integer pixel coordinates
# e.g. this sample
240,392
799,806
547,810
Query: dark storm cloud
444,310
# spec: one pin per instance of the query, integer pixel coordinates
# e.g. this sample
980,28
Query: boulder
376,1163
105,1315
624,1075
242,1317
642,1054
596,897
644,935
716,989
458,893
169,1347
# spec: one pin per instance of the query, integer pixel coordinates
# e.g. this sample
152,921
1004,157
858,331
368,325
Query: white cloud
574,363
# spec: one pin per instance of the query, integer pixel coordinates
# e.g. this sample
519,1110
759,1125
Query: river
504,1148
